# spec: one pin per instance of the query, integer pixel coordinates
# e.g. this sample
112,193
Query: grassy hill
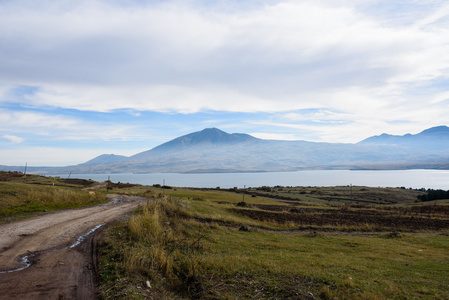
278,243
344,242
27,195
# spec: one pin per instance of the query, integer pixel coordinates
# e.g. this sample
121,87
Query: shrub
433,195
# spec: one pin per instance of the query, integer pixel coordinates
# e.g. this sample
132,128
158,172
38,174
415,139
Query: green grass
338,195
25,196
18,177
270,261
350,266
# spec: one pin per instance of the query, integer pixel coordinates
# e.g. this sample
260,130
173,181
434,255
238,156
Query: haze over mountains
213,150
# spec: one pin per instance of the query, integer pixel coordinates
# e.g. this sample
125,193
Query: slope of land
346,242
213,150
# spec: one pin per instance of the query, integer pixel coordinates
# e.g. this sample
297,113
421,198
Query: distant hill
435,138
213,150
105,158
206,138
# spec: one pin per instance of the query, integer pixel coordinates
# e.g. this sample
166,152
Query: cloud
58,127
280,52
324,116
367,65
169,98
29,119
13,139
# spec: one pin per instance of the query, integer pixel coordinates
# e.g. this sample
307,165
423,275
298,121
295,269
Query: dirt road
61,266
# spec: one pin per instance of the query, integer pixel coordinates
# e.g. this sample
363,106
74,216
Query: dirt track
66,273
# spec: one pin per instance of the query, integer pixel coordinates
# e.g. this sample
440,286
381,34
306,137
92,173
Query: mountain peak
208,134
436,130
212,129
203,138
211,136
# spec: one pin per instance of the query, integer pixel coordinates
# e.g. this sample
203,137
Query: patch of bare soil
66,273
82,182
98,186
6,176
411,219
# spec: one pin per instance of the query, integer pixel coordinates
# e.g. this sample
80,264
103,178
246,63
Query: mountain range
213,150
435,138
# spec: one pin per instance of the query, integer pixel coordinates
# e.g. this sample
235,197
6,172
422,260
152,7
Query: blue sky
82,78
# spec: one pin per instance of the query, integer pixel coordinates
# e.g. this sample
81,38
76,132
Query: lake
435,179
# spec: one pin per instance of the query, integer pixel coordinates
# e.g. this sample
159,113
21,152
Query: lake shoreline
413,178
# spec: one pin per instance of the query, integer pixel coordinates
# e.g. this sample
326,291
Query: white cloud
368,66
60,127
316,115
151,97
9,120
440,97
173,44
13,139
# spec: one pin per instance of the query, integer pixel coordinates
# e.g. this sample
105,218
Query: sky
81,78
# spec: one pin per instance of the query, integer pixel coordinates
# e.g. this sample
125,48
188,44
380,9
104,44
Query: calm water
436,179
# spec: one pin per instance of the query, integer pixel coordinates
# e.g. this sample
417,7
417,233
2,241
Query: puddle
26,260
81,238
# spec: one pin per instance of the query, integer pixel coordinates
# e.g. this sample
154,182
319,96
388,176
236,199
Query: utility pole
25,174
244,187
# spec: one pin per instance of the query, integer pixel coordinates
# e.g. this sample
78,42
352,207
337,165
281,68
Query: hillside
278,243
209,137
105,158
433,139
213,150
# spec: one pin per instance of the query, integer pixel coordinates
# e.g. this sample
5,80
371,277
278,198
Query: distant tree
264,188
432,194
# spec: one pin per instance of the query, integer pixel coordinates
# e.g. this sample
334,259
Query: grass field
294,243
344,242
23,196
